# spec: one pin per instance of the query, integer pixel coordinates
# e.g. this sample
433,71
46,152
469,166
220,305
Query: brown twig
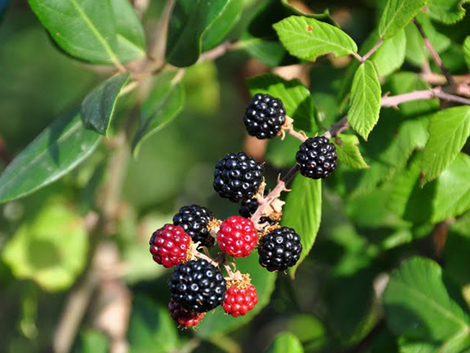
218,51
394,101
79,298
337,128
435,55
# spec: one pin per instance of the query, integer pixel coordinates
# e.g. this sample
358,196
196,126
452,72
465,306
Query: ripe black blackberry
264,116
237,177
279,249
195,220
198,286
249,207
317,158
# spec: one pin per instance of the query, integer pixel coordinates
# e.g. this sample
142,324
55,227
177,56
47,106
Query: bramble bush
344,226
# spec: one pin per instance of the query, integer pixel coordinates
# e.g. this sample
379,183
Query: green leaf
348,151
452,196
365,99
218,30
466,51
51,249
307,38
388,153
390,55
164,103
446,11
281,153
151,328
56,151
448,131
446,197
189,21
220,323
285,342
325,16
420,303
397,14
97,108
102,32
92,342
129,29
302,212
294,95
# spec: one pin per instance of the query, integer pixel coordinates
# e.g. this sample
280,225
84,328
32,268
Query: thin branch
434,53
218,51
437,92
337,128
79,298
357,56
437,79
157,48
373,50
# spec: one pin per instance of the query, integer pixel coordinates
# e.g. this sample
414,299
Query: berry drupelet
238,177
279,249
237,236
317,158
264,116
170,245
184,318
195,221
198,286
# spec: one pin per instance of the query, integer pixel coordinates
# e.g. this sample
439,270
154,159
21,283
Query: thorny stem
274,194
434,53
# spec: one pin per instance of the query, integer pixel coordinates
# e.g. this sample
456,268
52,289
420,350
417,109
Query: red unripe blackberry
183,317
170,245
195,221
264,116
317,158
198,286
237,236
240,298
279,249
238,177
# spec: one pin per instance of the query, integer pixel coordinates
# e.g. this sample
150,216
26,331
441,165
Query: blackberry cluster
249,207
198,286
237,177
264,116
317,158
195,220
279,249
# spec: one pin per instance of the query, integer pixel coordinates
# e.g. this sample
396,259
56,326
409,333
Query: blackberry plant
352,176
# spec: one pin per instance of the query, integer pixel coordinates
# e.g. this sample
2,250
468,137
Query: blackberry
195,220
237,177
317,158
198,286
279,249
249,207
264,116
